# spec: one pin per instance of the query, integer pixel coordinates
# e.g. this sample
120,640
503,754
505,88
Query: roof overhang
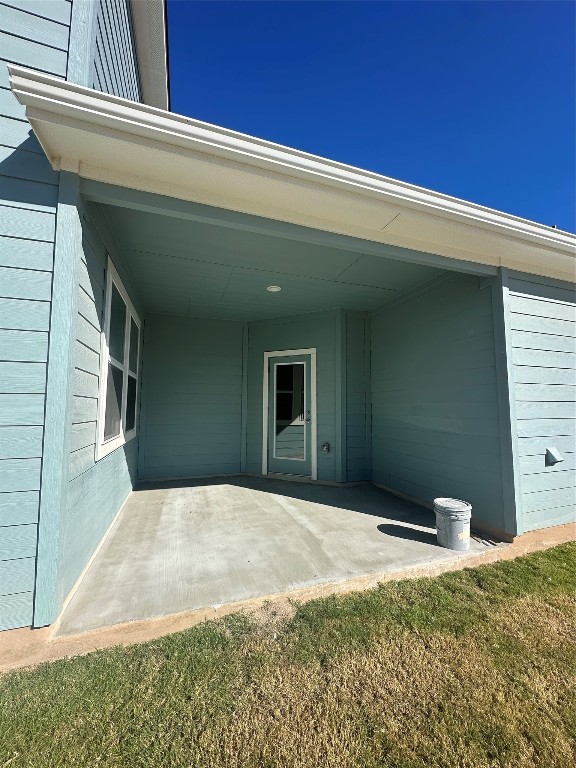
105,138
149,18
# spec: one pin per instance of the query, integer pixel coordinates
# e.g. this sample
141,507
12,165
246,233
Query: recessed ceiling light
273,288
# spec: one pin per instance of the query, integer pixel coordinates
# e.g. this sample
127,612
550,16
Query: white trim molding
313,406
113,140
149,20
103,446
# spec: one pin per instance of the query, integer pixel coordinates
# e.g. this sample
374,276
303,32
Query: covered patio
179,546
236,309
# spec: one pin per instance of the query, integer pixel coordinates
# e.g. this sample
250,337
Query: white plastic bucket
453,523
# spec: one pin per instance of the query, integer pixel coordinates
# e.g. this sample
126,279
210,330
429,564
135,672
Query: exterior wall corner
68,243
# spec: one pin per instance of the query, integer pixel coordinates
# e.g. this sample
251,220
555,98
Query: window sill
111,445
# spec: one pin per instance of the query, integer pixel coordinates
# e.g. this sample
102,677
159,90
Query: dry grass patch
415,699
475,669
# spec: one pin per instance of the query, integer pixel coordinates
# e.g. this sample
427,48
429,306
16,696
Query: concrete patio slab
183,546
30,647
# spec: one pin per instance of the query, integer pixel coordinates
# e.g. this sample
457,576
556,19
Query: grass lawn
474,668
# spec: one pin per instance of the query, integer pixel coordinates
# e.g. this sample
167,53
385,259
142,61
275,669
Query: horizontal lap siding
357,394
115,66
96,490
435,428
542,344
301,332
33,34
191,398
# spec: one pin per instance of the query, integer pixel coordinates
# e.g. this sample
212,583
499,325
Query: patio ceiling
193,268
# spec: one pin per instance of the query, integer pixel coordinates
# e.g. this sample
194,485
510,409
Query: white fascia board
117,141
149,20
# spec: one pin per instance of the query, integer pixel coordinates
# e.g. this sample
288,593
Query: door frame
313,410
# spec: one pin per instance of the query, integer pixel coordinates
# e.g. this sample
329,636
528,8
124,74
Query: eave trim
50,101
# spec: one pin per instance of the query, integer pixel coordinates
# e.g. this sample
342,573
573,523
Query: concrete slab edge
27,647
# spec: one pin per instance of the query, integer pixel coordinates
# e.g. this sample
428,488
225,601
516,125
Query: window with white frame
119,367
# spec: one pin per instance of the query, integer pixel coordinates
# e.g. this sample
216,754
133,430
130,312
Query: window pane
113,402
284,375
134,341
117,325
131,404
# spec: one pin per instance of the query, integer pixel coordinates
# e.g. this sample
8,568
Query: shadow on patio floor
184,545
363,498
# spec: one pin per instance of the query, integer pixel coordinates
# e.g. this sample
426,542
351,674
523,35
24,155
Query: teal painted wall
357,438
115,64
96,490
34,35
435,419
542,346
199,373
191,410
318,330
89,43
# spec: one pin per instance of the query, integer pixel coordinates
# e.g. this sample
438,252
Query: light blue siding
37,34
94,498
115,66
50,10
19,508
299,332
20,442
542,346
191,397
435,426
96,490
19,20
357,397
33,54
33,34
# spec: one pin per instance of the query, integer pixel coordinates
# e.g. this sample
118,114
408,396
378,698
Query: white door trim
313,425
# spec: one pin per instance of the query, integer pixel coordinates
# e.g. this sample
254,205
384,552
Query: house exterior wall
357,397
541,329
115,64
191,412
52,37
202,393
96,490
34,35
319,330
425,422
435,417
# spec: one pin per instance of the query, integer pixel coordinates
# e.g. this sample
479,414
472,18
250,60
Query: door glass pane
289,433
134,341
284,378
131,404
113,402
117,325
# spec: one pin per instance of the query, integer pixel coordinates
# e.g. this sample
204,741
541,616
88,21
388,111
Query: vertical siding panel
126,19
113,54
115,66
113,12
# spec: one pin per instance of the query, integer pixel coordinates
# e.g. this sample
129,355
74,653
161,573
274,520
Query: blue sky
474,99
